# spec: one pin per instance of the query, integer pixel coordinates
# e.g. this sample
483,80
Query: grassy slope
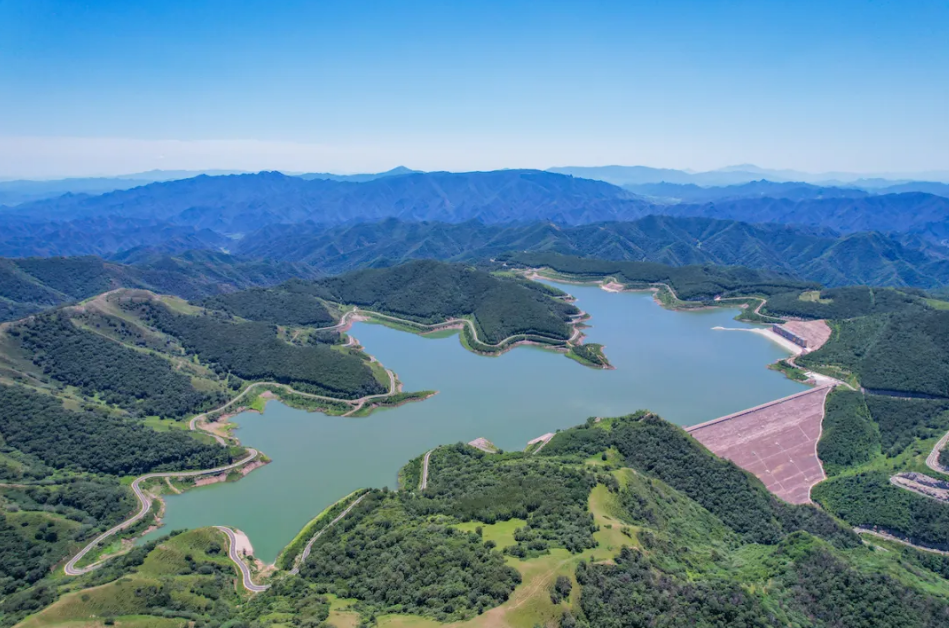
673,521
163,566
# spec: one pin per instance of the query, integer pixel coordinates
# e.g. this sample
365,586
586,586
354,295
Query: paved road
248,582
356,403
359,403
454,323
145,503
424,483
309,545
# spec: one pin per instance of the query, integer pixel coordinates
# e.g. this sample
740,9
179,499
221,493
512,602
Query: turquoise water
672,363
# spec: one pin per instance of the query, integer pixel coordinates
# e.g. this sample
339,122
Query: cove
672,363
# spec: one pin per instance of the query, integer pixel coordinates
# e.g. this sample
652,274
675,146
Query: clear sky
102,86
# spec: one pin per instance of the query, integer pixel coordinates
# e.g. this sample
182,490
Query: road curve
309,544
356,403
248,581
145,503
454,323
359,403
932,460
423,484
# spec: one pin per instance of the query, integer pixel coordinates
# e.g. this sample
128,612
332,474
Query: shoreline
796,350
351,317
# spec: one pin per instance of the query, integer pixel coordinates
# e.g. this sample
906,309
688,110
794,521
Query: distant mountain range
18,191
358,178
242,203
279,252
745,173
814,254
835,235
720,184
238,204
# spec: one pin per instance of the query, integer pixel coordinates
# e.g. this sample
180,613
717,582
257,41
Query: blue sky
103,87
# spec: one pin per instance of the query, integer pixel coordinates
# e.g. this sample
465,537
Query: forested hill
431,292
618,522
817,255
32,284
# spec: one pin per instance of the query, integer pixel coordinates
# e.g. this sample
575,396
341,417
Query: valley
509,399
656,326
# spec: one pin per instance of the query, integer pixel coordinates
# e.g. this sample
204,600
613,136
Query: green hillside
30,285
589,533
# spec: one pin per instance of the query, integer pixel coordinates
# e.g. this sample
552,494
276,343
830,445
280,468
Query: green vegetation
38,425
431,292
283,305
843,303
289,554
653,446
187,577
253,351
903,353
549,539
903,421
590,354
137,381
850,437
470,485
868,499
691,283
789,370
393,562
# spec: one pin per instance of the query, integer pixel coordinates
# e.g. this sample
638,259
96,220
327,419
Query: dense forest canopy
283,306
904,353
252,350
140,382
431,292
90,440
842,303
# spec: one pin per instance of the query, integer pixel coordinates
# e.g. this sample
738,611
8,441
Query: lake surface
672,363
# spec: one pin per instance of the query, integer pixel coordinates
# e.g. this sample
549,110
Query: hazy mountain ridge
673,193
16,191
908,212
744,173
240,203
243,203
816,254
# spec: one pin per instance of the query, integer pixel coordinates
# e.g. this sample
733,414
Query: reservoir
672,363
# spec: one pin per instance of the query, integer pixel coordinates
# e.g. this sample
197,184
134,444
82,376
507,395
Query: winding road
357,404
145,503
456,323
237,560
